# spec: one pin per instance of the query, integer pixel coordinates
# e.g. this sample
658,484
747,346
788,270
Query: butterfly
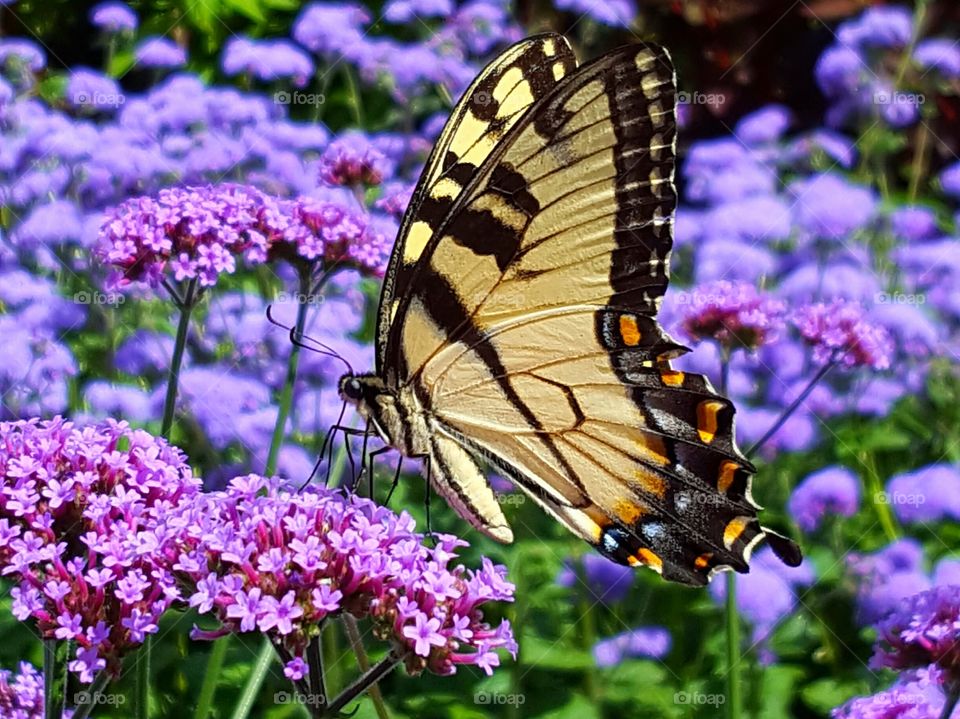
517,320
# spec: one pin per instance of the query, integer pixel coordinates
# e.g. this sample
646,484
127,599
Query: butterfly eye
352,389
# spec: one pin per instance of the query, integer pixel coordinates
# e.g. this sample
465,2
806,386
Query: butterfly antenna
308,343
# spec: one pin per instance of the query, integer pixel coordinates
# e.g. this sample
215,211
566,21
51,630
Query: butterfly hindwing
526,327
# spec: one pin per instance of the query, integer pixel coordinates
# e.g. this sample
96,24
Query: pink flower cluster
260,556
735,314
21,695
84,516
840,331
201,232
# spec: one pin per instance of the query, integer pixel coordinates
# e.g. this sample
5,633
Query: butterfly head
360,390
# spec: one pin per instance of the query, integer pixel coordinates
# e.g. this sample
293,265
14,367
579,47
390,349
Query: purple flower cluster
267,60
886,577
352,159
927,494
918,637
648,642
21,694
342,32
915,695
261,556
114,17
84,517
841,332
735,314
860,75
200,232
829,491
923,630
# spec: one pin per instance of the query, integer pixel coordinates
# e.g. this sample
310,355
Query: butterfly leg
368,467
396,480
328,448
426,502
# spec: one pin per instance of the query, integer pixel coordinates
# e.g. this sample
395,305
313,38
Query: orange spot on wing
627,512
629,331
707,412
703,561
672,378
653,446
733,530
650,559
728,471
650,482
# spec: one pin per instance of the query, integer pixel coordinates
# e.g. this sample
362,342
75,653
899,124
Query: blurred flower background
169,170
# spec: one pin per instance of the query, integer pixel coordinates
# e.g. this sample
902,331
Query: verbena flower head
352,159
915,695
878,27
83,516
198,232
90,90
833,490
886,577
261,556
160,52
830,208
114,17
267,60
615,13
735,314
940,55
650,642
913,223
766,125
923,630
330,28
841,332
333,230
21,694
927,494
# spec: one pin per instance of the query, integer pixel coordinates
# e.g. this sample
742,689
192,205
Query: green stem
355,104
257,676
94,691
363,661
953,695
732,616
142,686
179,346
734,686
881,502
54,676
293,361
588,635
364,682
918,166
189,300
788,412
211,676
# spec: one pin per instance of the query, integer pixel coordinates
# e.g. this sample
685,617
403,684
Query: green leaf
822,695
777,689
248,8
544,654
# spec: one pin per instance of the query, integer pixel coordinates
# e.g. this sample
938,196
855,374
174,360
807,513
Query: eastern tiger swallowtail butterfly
517,319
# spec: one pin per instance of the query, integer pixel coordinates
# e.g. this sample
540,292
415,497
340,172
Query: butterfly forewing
499,96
